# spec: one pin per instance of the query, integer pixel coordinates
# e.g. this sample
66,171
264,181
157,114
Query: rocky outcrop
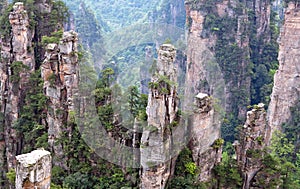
156,143
60,75
16,64
33,170
286,89
254,136
214,69
205,130
204,73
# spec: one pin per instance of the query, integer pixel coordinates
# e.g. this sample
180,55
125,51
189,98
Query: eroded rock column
60,75
156,142
16,64
33,170
254,137
205,130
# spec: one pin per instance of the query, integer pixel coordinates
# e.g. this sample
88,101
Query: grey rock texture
33,170
205,129
254,137
286,89
156,148
13,84
60,74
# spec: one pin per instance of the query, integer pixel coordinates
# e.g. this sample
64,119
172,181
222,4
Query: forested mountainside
113,15
210,101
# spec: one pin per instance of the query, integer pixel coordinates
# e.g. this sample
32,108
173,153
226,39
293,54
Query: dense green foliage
185,172
32,113
264,53
4,21
85,170
53,38
279,166
292,128
227,174
113,15
87,26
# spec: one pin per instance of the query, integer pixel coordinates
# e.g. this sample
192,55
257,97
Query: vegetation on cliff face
281,161
113,15
257,61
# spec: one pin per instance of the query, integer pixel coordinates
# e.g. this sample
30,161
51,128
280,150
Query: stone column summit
33,170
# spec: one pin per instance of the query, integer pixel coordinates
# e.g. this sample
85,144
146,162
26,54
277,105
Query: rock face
156,155
33,170
21,55
286,87
60,75
208,68
204,72
205,130
254,137
16,64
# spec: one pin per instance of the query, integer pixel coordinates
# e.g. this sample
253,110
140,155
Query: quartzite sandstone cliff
156,150
286,89
204,128
16,65
254,136
60,73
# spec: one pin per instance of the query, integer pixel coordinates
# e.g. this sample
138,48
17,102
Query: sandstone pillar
33,170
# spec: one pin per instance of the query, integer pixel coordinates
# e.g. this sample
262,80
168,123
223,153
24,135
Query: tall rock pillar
254,137
156,142
60,75
205,131
16,64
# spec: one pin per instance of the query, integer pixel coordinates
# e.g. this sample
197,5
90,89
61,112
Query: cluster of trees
281,161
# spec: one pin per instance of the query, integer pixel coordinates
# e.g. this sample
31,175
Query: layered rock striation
286,89
60,71
219,54
204,131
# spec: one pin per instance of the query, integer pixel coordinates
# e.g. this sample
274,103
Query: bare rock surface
60,72
33,170
205,130
286,89
156,156
16,51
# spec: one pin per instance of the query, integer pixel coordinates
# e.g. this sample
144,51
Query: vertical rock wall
215,30
60,75
286,89
212,68
16,64
156,146
33,170
204,73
